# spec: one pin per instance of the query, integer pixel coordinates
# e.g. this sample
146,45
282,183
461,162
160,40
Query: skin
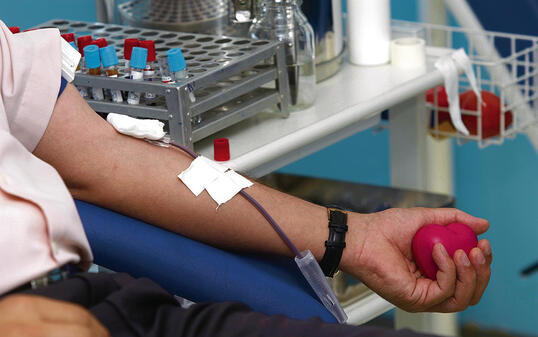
23,315
138,179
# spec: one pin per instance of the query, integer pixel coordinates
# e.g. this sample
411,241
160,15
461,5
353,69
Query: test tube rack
229,79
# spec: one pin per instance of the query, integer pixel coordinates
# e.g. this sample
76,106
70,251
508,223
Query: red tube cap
128,46
15,29
69,37
150,46
82,42
221,148
101,43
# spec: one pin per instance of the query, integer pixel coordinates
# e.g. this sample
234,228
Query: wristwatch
335,244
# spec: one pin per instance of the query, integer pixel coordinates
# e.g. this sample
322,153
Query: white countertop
347,103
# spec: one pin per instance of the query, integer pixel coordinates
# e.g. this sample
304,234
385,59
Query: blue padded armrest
196,271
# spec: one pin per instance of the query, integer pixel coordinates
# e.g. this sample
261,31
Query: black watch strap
336,243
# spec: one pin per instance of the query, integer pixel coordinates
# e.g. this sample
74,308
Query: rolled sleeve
30,77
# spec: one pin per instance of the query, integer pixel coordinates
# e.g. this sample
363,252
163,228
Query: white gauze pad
200,174
139,128
220,182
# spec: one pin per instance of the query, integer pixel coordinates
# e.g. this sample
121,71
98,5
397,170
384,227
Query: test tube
128,45
82,42
138,62
176,64
101,43
69,37
93,63
110,62
149,71
166,75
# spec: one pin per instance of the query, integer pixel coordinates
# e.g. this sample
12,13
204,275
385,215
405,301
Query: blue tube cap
139,58
91,56
176,61
108,56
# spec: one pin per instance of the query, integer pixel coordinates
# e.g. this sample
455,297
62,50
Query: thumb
445,216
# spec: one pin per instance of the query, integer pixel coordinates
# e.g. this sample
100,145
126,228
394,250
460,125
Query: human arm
138,179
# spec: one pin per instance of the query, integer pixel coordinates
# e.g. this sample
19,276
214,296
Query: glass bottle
283,20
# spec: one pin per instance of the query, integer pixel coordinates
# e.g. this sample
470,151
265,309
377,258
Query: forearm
138,179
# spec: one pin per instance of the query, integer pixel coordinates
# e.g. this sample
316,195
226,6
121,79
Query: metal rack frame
229,78
513,78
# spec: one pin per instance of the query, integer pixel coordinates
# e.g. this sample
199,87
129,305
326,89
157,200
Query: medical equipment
305,260
282,20
138,63
109,58
128,45
93,63
149,71
408,53
100,42
221,149
225,75
166,75
176,64
69,37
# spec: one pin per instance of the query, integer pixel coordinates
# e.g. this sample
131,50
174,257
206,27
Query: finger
445,216
465,285
485,247
443,288
483,272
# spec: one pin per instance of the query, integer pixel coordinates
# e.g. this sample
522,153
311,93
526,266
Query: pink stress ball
453,237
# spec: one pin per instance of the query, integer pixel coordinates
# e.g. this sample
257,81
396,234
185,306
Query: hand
26,315
379,253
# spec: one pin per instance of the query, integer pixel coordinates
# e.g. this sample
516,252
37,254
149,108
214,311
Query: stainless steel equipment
226,82
215,17
232,17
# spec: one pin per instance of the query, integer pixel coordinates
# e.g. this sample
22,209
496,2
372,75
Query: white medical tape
408,52
220,182
462,60
447,66
139,128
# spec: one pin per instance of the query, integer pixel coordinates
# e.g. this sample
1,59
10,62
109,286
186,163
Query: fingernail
481,259
487,249
464,259
442,248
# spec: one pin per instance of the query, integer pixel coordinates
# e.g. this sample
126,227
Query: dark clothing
139,307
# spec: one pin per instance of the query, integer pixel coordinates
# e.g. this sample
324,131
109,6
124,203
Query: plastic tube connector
314,275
